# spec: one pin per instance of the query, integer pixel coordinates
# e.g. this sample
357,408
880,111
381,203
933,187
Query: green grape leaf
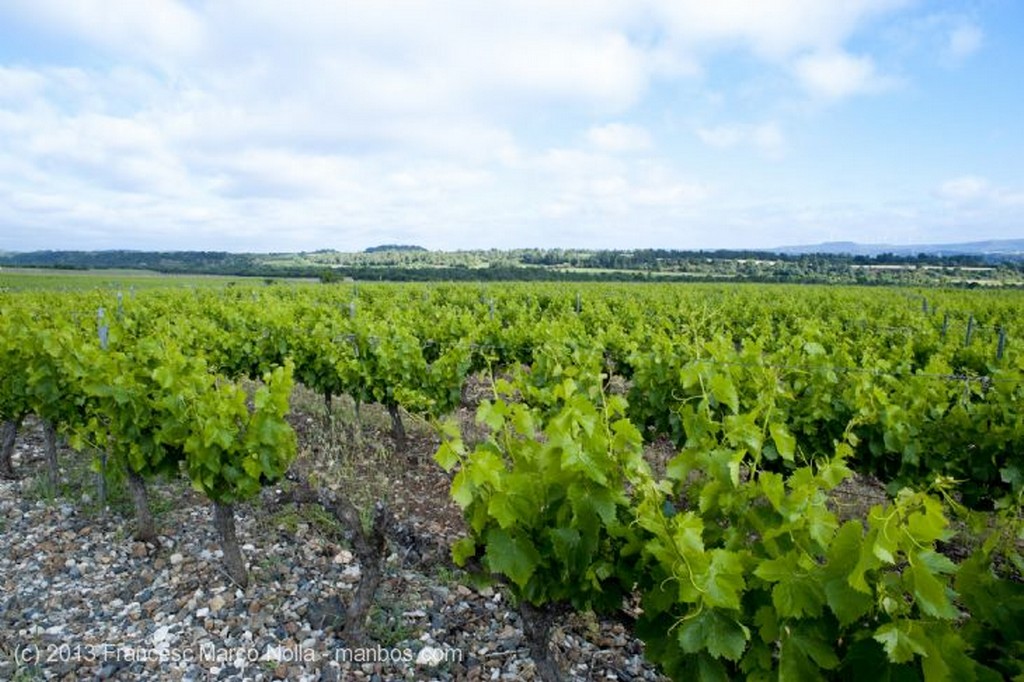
462,550
492,414
773,487
462,489
723,583
447,456
902,640
843,557
797,592
500,507
724,391
803,653
523,423
930,593
485,467
565,542
719,634
511,555
785,442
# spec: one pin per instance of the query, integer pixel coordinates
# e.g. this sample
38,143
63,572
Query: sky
259,125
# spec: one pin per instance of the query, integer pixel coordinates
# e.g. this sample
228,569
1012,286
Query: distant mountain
996,249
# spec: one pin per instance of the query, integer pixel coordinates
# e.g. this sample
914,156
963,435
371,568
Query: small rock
107,671
176,559
161,634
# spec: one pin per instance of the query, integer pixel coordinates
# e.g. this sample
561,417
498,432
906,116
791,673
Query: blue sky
255,125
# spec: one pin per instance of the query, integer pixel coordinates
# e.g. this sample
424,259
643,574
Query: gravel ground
82,600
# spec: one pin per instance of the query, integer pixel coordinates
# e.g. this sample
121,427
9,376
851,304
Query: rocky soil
81,599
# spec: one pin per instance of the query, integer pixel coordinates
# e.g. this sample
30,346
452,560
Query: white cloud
723,136
582,184
950,37
964,188
765,137
769,138
369,57
415,57
154,29
972,189
836,75
314,123
774,29
619,137
964,40
18,84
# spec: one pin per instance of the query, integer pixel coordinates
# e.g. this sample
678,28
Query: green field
29,279
793,482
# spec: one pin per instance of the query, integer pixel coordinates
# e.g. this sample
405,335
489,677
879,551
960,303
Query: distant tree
394,247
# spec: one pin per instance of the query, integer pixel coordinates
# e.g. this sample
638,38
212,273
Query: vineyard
674,457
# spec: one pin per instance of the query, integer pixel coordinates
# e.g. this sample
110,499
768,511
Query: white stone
161,635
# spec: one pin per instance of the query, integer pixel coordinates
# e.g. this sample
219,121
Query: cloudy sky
260,125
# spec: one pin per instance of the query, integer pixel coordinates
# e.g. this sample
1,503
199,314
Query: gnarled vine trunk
8,434
50,450
369,546
145,529
224,521
537,630
397,427
371,550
